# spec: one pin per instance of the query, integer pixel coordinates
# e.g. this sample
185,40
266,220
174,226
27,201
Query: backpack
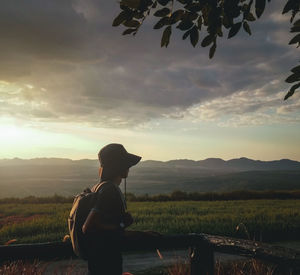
82,205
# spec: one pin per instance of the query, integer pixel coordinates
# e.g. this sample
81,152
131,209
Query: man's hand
127,219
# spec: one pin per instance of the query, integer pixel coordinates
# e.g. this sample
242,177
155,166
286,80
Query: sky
70,83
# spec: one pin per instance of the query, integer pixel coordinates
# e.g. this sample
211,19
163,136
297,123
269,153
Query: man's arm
95,223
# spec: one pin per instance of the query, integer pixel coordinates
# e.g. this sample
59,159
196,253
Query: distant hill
47,176
241,164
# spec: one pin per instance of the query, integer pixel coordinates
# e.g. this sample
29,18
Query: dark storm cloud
82,69
47,29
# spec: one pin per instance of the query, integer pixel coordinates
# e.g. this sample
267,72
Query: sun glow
28,142
11,133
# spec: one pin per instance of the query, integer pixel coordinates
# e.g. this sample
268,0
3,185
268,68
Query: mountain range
48,176
240,164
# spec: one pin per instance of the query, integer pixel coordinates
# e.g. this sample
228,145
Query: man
104,227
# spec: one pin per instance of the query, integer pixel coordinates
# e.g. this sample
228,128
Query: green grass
270,220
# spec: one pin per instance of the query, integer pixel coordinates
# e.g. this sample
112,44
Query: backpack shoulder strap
97,187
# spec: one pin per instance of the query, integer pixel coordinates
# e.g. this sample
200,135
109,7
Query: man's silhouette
104,227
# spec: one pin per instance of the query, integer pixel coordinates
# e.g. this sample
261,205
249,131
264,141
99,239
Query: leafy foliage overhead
213,17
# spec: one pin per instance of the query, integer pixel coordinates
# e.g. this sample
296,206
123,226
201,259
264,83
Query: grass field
268,220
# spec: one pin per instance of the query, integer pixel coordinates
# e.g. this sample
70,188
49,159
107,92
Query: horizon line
177,159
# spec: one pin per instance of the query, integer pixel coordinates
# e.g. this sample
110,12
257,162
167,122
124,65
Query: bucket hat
115,156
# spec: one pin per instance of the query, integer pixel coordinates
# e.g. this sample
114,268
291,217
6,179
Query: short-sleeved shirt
110,203
104,248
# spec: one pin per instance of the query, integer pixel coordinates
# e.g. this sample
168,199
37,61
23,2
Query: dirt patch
17,219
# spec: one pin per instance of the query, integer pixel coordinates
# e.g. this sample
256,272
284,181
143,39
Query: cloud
62,60
245,108
47,29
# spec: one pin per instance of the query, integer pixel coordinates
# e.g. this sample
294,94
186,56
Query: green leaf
162,22
295,29
295,39
185,25
191,16
250,17
138,15
297,23
296,70
245,8
129,31
288,6
131,23
123,16
163,2
260,7
226,22
234,29
207,40
186,34
163,12
194,36
293,78
124,8
134,4
176,16
212,50
292,91
219,32
246,27
195,7
199,22
166,37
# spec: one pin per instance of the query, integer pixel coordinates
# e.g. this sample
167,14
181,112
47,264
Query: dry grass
37,268
248,267
180,267
23,268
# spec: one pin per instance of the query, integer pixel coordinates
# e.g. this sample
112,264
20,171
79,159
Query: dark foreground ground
149,263
136,263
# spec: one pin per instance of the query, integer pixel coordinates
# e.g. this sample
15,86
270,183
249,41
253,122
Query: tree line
176,195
